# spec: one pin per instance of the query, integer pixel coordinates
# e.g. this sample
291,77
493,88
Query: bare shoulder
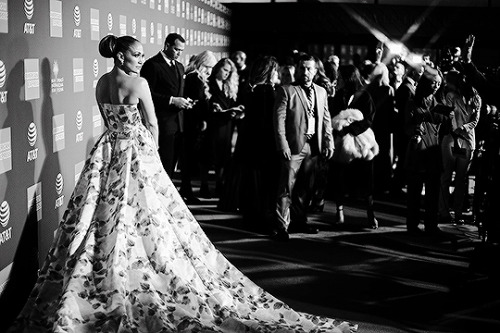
140,83
102,80
102,84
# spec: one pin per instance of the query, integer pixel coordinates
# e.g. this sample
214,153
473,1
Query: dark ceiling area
277,28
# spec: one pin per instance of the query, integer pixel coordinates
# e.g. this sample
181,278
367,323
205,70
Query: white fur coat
348,146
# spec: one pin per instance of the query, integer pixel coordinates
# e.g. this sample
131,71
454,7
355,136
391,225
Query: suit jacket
290,118
164,84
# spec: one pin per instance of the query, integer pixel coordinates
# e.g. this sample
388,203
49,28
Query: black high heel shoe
372,221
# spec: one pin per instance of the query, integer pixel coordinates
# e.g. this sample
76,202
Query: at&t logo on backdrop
32,136
134,28
77,19
5,234
95,70
79,125
59,190
29,9
110,22
3,80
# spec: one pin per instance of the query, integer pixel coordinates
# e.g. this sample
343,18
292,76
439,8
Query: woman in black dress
223,111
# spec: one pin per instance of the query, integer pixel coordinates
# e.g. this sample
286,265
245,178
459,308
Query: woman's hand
217,108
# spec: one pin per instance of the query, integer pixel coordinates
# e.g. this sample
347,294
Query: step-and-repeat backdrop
49,120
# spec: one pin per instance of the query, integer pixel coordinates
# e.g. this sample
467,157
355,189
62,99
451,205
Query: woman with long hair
353,94
252,185
195,122
223,111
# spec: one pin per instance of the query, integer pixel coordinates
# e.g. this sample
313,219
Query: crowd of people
129,255
269,144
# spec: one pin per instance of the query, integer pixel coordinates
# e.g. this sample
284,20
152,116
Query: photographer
487,192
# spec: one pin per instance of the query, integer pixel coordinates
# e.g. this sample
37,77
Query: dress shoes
445,219
435,232
280,235
205,192
303,228
415,231
191,200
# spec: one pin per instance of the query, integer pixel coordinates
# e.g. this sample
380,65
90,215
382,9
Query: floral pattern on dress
129,256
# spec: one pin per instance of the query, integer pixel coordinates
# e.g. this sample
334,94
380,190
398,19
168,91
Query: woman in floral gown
128,255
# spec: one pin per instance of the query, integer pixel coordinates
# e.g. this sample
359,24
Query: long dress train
129,256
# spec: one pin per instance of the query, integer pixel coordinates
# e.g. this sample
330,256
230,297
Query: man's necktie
171,65
310,96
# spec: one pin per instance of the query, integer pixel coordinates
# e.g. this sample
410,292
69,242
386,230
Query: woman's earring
121,62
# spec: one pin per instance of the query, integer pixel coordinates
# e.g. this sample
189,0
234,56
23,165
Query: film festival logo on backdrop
4,16
94,24
152,33
77,19
56,18
32,137
31,79
5,150
78,75
29,10
58,133
59,191
57,83
159,37
123,25
143,31
3,80
78,170
5,234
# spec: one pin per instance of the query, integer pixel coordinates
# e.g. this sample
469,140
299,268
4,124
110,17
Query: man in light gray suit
303,130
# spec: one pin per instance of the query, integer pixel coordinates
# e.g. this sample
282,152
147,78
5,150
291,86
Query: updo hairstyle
111,45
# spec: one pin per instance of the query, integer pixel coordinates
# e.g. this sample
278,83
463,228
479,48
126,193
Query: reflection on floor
385,280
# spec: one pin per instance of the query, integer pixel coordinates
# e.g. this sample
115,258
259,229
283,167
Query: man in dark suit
165,75
403,95
303,130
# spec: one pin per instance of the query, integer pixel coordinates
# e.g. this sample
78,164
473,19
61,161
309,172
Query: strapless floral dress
128,255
